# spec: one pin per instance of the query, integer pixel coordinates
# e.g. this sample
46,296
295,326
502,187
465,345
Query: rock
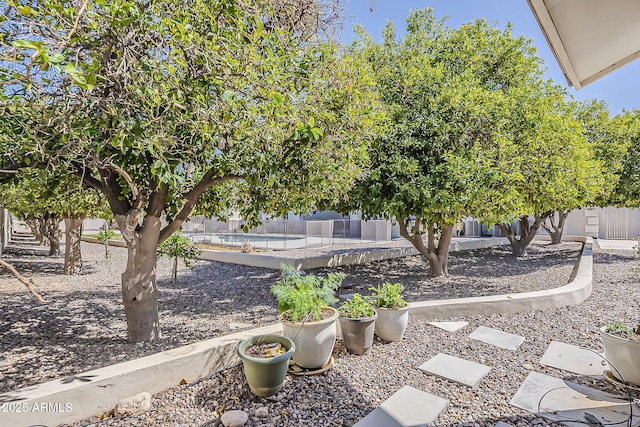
234,418
262,412
134,405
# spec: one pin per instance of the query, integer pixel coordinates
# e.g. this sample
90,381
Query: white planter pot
391,324
623,355
314,342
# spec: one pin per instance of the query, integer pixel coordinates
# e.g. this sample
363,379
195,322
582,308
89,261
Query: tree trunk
436,256
139,288
35,227
175,271
72,250
555,229
527,233
49,228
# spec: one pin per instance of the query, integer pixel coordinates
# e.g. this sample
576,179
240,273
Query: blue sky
619,89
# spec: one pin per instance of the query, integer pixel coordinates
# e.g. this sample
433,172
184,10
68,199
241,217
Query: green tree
624,141
446,93
43,200
165,105
585,176
555,166
179,246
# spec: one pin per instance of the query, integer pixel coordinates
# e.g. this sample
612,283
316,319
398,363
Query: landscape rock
234,418
134,405
262,412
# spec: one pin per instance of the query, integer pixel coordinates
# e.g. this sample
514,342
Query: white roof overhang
590,38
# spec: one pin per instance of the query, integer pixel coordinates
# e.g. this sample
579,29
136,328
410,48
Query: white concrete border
347,258
572,293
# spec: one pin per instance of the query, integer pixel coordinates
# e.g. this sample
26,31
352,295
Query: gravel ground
82,327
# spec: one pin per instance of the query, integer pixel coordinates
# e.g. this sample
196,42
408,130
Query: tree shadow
472,273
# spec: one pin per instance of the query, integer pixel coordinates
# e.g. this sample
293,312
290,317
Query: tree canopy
170,104
449,95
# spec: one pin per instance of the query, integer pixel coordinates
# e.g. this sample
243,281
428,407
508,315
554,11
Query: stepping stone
503,424
497,338
556,400
408,407
449,326
455,369
573,359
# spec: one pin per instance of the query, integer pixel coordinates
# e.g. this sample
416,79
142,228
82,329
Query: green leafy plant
179,246
389,295
357,307
104,236
619,327
304,294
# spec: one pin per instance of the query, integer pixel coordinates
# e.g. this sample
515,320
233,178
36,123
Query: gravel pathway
82,327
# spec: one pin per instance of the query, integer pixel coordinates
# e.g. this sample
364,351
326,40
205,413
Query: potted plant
357,321
622,351
307,319
265,359
392,310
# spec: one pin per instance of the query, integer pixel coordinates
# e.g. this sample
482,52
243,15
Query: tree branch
76,23
22,279
191,199
111,188
126,177
89,180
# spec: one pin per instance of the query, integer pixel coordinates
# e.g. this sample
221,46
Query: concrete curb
572,293
347,258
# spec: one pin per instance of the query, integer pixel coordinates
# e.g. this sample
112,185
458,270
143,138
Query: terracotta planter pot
266,375
391,324
357,334
623,356
313,340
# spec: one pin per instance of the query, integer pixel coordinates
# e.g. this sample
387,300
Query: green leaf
228,95
26,44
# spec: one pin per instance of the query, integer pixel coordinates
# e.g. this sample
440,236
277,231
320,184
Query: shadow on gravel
471,272
326,399
613,257
35,260
220,288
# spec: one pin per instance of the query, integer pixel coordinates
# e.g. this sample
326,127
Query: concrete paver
449,326
455,369
497,338
408,407
573,404
573,359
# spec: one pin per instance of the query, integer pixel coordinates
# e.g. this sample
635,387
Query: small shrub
104,236
357,307
389,295
305,294
179,246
